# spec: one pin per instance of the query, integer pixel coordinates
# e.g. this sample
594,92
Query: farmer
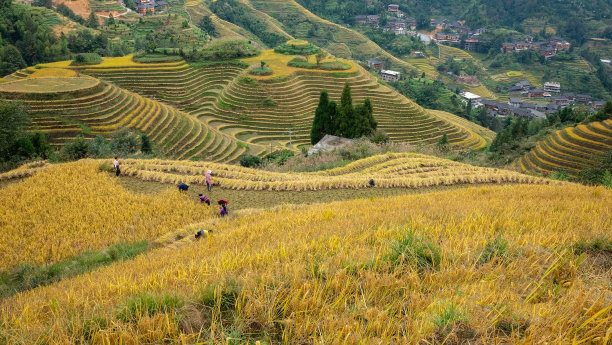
202,232
223,212
209,183
116,166
183,187
204,199
371,183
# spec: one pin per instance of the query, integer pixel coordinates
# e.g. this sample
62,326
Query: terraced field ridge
65,108
391,170
261,110
571,149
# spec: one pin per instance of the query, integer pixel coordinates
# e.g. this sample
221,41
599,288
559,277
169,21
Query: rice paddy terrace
66,107
261,110
571,149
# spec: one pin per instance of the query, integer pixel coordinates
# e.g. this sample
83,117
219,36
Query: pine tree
321,117
346,113
145,144
92,21
370,114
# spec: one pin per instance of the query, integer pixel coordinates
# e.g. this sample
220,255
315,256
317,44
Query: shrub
302,49
145,144
448,315
279,157
225,49
99,147
261,71
124,142
250,161
75,149
379,137
86,59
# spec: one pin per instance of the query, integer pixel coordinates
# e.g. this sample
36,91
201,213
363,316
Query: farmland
499,264
223,112
571,149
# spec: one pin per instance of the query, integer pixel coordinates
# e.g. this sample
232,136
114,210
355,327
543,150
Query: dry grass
353,272
66,209
53,72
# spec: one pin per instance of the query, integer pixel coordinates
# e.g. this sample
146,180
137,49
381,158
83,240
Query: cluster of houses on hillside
150,6
549,49
395,22
518,106
386,75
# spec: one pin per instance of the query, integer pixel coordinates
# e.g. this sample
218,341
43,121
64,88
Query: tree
320,56
92,21
346,113
110,20
10,60
124,142
14,120
75,149
207,26
145,144
318,130
443,142
262,64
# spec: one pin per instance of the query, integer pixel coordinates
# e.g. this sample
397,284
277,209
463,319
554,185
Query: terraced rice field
103,108
392,170
572,149
482,91
447,52
262,111
425,65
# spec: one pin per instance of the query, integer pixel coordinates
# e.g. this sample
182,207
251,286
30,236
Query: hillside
498,264
572,149
260,110
88,107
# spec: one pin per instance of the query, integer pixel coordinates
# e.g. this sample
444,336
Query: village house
552,87
411,23
521,87
393,8
361,19
375,64
373,19
535,93
564,101
515,102
584,99
442,37
388,75
598,105
145,7
471,44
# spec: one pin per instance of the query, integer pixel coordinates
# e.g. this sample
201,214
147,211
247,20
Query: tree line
344,119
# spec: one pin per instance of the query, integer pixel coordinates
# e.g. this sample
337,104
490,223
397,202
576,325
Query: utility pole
290,132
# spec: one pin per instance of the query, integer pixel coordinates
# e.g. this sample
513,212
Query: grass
29,276
415,251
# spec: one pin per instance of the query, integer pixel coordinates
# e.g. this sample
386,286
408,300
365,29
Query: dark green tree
145,144
207,26
92,21
346,113
14,120
318,130
10,60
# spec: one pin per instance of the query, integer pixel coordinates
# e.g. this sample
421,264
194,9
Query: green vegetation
223,49
343,120
28,276
416,251
155,58
86,59
261,71
148,305
301,62
239,14
17,145
293,49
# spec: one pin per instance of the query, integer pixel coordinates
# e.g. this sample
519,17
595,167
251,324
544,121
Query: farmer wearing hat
209,183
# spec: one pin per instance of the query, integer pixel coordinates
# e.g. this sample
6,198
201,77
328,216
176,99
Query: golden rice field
571,149
278,64
44,85
391,170
485,265
63,210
